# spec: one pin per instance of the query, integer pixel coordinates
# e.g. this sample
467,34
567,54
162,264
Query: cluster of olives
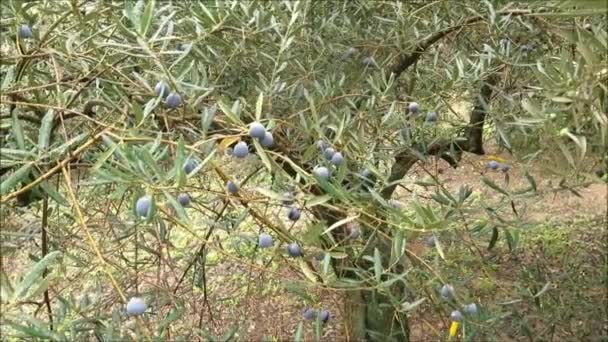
293,249
334,157
311,314
367,61
414,108
495,166
257,131
143,206
172,99
241,150
265,241
447,292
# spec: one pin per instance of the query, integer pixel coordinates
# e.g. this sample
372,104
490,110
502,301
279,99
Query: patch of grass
552,287
562,283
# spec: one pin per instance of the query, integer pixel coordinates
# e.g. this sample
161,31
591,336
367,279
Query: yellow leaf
308,272
228,141
453,329
496,158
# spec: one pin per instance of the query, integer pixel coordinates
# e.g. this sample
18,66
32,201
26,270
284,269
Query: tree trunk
356,315
370,316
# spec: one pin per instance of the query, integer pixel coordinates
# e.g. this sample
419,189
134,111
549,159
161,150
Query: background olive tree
85,135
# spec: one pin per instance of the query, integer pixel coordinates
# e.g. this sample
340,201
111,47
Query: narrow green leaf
463,193
439,198
147,17
295,166
263,156
299,335
168,31
156,144
393,279
236,108
378,198
35,330
129,11
439,248
269,193
504,137
171,317
44,134
398,242
326,263
18,131
448,195
207,13
318,329
138,112
229,335
145,156
313,111
308,272
6,287
207,116
103,158
377,265
543,290
340,223
205,161
510,240
9,163
530,107
181,212
258,107
562,99
338,255
318,200
494,186
567,154
581,142
570,5
530,180
137,13
11,153
36,273
56,196
148,108
407,306
8,78
180,159
63,149
42,286
18,176
229,113
420,212
494,238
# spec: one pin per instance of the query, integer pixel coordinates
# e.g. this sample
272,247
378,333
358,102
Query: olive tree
331,103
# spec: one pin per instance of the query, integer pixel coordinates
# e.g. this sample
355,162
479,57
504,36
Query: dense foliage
139,134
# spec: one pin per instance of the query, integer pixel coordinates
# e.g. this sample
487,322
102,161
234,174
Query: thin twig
45,250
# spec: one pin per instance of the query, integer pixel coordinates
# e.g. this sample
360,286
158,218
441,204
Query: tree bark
355,308
471,141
